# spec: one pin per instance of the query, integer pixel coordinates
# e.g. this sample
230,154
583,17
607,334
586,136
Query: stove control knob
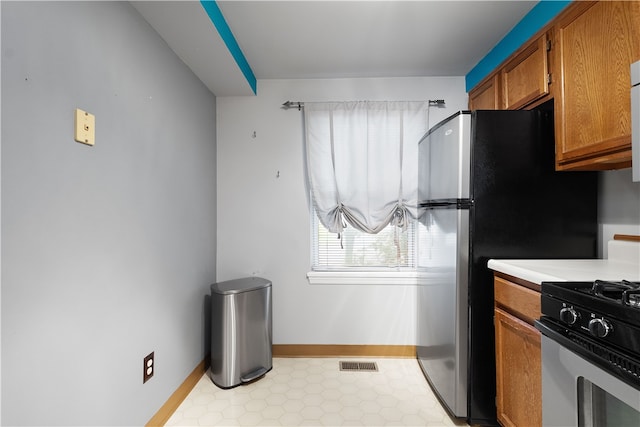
568,315
599,328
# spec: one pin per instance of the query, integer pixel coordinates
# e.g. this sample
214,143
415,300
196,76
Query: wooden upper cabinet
596,42
486,96
525,76
520,81
586,72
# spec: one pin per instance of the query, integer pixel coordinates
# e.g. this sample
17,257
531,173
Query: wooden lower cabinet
518,386
518,356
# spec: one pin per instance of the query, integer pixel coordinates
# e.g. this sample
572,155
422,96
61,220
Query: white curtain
362,162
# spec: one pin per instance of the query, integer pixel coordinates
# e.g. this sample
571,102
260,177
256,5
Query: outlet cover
148,367
85,127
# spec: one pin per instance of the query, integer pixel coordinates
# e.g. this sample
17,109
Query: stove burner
624,292
603,287
631,297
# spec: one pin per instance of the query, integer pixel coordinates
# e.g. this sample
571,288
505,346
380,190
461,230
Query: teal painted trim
212,9
537,18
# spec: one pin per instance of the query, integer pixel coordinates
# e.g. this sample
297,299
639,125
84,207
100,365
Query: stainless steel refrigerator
487,189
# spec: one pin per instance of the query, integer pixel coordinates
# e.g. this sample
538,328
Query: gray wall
107,251
620,198
618,206
263,178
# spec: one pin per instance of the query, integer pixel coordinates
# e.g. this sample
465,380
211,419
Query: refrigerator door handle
447,204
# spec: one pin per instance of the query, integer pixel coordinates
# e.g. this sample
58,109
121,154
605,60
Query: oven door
576,392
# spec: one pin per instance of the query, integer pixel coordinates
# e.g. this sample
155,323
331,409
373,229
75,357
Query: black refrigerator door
522,208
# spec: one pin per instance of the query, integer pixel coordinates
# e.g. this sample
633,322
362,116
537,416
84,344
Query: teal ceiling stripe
212,9
537,18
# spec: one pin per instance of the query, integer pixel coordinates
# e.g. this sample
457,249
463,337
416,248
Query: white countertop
623,263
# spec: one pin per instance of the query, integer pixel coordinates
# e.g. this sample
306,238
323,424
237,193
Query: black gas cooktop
599,320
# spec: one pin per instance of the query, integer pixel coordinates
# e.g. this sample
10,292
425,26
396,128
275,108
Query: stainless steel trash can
241,335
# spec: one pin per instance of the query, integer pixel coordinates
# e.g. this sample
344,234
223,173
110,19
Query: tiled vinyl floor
314,392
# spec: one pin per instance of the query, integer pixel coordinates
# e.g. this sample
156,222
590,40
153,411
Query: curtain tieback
400,218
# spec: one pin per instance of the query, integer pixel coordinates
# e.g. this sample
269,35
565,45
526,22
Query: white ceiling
333,39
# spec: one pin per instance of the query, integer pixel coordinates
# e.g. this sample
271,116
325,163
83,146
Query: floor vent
359,366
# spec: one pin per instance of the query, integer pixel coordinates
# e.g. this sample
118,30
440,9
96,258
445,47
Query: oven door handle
554,331
558,334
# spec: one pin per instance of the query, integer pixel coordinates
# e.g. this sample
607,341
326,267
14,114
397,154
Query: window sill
363,277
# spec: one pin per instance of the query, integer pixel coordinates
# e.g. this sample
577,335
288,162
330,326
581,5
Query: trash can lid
240,285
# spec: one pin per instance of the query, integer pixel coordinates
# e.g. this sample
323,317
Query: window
363,174
391,249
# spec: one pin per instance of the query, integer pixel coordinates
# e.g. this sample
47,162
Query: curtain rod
290,104
298,104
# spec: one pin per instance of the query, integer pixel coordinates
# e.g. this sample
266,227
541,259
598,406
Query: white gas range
590,335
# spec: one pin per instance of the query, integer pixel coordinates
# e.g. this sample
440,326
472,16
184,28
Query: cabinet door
596,43
486,96
518,372
525,77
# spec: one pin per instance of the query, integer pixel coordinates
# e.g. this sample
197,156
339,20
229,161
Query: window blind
391,248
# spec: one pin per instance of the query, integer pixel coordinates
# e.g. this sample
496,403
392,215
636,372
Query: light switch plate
85,127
